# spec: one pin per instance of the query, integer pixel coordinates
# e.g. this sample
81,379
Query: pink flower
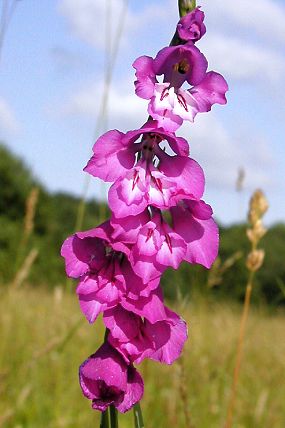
170,104
114,153
193,237
104,271
191,26
157,247
175,178
105,378
137,339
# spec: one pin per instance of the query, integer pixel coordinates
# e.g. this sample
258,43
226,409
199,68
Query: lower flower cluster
158,219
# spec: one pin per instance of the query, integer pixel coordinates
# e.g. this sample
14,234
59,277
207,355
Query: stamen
149,234
135,179
164,94
158,183
168,241
182,102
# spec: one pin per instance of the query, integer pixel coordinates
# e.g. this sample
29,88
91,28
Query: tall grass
44,339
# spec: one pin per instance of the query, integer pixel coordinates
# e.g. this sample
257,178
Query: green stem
113,417
186,6
104,420
138,416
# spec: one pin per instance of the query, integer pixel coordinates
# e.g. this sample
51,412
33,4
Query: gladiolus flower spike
158,219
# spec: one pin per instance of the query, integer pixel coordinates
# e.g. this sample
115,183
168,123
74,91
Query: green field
44,338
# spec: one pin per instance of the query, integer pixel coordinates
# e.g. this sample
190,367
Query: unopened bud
254,260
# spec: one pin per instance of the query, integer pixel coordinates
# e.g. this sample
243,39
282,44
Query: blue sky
51,82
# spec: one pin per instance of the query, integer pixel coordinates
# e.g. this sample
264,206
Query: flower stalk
257,208
138,418
104,423
113,417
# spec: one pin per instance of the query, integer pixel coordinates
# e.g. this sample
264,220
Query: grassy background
44,338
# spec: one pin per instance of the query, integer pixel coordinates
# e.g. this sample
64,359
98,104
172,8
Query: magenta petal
129,335
191,26
178,144
145,266
134,392
174,338
165,118
199,209
127,196
95,298
172,251
135,284
122,324
144,85
80,251
211,90
74,266
151,307
90,307
103,377
201,236
127,228
185,172
111,157
149,240
166,60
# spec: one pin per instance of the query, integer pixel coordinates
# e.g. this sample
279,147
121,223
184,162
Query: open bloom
136,338
175,178
142,172
105,378
189,234
104,271
115,153
170,104
191,26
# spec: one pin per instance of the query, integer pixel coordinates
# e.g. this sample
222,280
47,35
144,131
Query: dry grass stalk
31,204
24,271
257,208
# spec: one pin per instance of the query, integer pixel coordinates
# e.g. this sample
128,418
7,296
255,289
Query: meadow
44,338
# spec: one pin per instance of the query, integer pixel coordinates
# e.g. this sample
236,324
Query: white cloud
243,61
8,122
222,152
265,17
125,110
88,18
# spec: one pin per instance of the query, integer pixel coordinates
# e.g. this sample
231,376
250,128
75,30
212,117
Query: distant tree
16,182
